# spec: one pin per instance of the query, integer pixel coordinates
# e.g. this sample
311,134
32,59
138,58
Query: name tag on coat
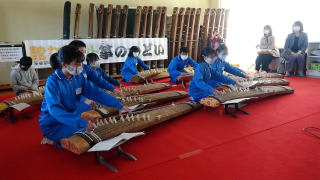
78,91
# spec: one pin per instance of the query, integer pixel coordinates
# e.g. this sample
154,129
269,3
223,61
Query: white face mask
266,31
135,54
210,60
184,57
74,70
296,28
222,57
96,64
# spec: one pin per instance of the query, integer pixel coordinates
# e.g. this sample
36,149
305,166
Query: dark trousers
263,61
300,59
20,92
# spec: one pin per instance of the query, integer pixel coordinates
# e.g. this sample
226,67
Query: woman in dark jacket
295,49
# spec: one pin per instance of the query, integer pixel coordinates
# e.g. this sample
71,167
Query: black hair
69,53
91,57
184,50
207,51
133,49
78,43
54,61
26,61
222,47
298,23
269,28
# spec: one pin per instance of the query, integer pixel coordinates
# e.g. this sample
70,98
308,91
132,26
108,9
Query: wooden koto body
143,89
156,98
266,75
110,127
152,74
28,97
261,81
187,77
237,93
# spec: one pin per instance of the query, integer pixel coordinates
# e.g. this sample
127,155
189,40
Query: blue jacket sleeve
199,81
172,68
130,64
142,64
92,92
233,70
222,78
192,63
93,76
108,78
56,109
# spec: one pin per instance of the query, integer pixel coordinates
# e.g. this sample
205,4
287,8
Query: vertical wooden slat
196,33
173,32
191,30
77,21
91,14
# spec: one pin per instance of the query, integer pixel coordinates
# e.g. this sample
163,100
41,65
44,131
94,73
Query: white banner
10,54
110,50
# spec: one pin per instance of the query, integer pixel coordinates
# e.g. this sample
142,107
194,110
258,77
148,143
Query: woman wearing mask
295,49
129,68
205,79
64,88
267,50
178,63
93,61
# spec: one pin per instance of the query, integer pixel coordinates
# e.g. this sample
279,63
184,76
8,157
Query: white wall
247,18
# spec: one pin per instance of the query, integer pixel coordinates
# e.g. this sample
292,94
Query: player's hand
125,109
91,103
35,93
215,92
89,126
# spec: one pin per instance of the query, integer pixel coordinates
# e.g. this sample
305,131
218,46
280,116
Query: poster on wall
10,53
110,50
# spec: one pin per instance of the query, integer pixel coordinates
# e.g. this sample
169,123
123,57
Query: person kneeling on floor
59,117
129,69
206,79
178,63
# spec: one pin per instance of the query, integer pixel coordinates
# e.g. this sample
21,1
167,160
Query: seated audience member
23,77
267,51
295,49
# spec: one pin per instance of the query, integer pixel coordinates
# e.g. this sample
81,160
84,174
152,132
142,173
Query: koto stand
236,107
101,160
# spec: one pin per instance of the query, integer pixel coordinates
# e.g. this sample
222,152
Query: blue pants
61,131
58,132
